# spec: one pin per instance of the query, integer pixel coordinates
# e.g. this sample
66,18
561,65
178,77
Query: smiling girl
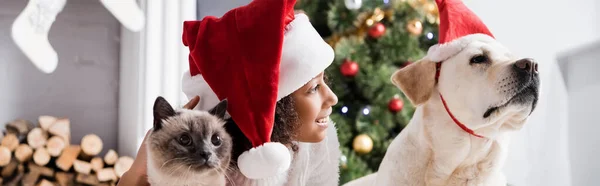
268,63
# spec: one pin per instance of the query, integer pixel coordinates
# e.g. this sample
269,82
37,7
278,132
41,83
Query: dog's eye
479,59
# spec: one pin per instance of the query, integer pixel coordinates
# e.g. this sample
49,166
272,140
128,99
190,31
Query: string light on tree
362,144
345,109
344,161
366,111
377,30
353,4
430,35
349,68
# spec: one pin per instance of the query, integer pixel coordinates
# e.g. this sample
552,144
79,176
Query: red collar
438,67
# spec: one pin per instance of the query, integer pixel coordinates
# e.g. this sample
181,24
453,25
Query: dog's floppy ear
416,80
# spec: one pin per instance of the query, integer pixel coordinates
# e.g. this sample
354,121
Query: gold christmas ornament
428,8
415,27
378,14
362,144
431,12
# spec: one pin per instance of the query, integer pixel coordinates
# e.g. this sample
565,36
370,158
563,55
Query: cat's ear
162,110
220,109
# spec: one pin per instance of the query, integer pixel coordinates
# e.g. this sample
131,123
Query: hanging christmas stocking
30,32
127,12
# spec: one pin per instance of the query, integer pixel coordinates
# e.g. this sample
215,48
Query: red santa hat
459,26
253,56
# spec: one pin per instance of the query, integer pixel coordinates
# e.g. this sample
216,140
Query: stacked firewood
42,155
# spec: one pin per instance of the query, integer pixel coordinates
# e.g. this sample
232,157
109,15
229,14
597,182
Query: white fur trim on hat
267,160
304,55
197,86
441,52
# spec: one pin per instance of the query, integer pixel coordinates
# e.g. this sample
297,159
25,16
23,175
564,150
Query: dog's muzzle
527,85
526,71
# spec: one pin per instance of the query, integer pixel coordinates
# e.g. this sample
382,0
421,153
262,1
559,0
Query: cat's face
189,142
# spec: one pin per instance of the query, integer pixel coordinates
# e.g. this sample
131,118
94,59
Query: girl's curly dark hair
284,129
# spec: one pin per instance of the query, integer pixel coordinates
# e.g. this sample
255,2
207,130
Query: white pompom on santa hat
459,27
253,56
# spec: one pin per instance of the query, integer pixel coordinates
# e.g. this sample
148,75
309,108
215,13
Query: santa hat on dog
253,56
458,27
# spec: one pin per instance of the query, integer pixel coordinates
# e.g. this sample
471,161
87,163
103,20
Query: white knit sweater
314,164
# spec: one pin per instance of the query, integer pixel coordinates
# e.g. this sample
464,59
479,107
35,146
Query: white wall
541,29
580,68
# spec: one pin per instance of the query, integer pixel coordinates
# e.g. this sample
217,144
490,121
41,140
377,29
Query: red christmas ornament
395,105
377,30
349,68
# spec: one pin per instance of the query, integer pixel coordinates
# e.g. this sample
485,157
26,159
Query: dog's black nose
527,65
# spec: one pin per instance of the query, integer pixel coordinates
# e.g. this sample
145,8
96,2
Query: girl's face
313,103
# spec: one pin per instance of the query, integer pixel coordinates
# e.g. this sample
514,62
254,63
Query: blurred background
91,69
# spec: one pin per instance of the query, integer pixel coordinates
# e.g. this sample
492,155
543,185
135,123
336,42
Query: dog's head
482,84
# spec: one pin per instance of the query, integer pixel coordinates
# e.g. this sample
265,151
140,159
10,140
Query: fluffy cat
188,147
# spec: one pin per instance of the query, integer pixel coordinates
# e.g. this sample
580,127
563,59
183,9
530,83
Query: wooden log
45,182
55,146
9,169
30,178
65,179
44,171
123,165
10,141
19,127
107,174
62,128
41,156
37,138
68,156
46,121
18,176
97,164
23,153
82,167
5,156
111,157
89,179
91,144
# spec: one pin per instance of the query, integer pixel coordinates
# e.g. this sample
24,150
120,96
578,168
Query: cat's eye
479,59
215,140
185,140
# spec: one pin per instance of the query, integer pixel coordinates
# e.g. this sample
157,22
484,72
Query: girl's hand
136,175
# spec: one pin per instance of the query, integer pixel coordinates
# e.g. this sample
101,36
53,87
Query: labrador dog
459,132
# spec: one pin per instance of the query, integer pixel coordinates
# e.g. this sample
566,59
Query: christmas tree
371,39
